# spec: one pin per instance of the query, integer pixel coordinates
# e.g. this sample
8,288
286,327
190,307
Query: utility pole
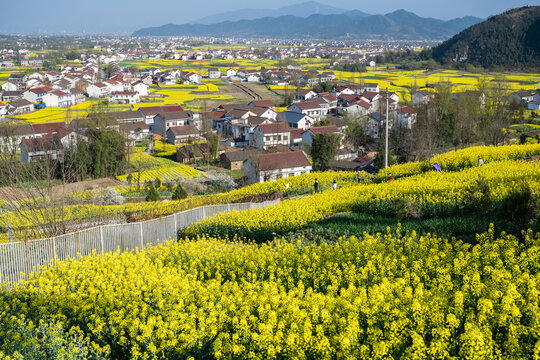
386,136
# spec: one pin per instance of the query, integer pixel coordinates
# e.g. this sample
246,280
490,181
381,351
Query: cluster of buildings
258,130
529,101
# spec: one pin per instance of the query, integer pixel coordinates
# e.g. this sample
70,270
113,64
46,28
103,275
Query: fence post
141,235
54,246
101,237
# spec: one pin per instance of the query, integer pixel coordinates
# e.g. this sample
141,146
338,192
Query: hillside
358,292
400,25
510,40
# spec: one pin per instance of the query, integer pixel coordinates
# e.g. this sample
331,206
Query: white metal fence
21,258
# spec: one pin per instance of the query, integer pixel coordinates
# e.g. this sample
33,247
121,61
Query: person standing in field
316,186
480,161
359,176
334,185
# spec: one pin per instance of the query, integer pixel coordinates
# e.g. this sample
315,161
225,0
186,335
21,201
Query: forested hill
510,40
399,24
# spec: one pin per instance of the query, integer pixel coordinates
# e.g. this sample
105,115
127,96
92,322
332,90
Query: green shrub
179,193
152,194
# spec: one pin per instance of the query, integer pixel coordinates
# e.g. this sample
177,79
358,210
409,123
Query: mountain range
398,25
300,10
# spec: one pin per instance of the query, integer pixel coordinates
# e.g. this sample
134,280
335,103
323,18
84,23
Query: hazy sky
126,16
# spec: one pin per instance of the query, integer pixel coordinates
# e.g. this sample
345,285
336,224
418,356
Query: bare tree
495,114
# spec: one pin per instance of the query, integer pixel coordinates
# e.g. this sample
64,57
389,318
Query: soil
261,197
11,193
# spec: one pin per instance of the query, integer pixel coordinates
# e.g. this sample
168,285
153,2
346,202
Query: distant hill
401,25
510,40
300,10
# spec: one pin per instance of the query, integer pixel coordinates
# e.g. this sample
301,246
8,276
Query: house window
267,138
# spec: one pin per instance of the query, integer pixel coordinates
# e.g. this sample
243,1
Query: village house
296,120
307,136
198,151
140,88
376,121
521,97
51,146
18,79
10,86
421,97
304,95
124,97
372,98
234,160
42,148
405,117
97,90
11,95
77,96
58,98
268,167
262,103
11,136
192,78
263,112
330,99
183,134
166,120
253,78
135,131
150,112
328,76
42,129
342,90
52,76
63,84
214,73
4,63
268,135
35,95
371,87
19,107
126,116
310,108
3,110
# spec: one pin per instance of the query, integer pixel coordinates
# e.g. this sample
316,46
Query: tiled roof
284,160
277,127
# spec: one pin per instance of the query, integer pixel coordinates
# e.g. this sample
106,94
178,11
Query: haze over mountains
300,10
314,20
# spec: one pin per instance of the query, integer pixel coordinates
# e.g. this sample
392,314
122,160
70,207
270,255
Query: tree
495,114
179,193
468,107
107,148
323,149
444,114
355,134
152,194
214,146
109,69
